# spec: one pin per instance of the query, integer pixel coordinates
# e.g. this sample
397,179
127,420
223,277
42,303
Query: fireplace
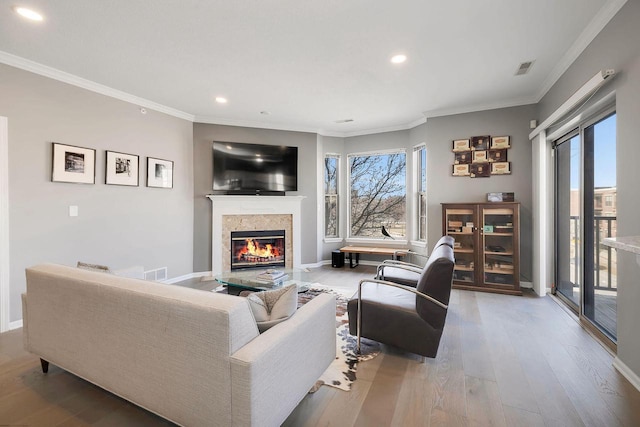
242,213
257,249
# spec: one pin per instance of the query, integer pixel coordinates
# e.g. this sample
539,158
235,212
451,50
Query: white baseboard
316,265
15,324
626,372
528,285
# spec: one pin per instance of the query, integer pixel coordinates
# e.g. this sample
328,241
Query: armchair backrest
444,240
435,280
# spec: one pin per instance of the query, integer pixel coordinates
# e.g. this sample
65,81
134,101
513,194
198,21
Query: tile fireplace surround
243,213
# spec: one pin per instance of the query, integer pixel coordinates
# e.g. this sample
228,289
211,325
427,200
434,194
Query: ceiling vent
524,68
344,121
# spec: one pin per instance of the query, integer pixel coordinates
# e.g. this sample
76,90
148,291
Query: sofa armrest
271,374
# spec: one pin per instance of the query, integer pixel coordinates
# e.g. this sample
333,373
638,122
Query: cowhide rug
342,371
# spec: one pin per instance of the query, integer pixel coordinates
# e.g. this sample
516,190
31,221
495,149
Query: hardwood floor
503,361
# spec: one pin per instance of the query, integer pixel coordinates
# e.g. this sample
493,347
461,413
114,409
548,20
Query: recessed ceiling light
28,13
398,59
221,100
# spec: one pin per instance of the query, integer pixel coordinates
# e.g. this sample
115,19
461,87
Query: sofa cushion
274,306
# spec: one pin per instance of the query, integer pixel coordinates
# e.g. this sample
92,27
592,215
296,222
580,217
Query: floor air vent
157,275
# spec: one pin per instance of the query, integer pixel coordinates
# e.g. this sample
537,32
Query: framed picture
501,168
73,164
498,155
501,142
480,157
159,173
461,170
122,169
480,142
461,145
462,158
479,170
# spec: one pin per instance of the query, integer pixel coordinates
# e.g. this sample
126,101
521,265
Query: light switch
73,210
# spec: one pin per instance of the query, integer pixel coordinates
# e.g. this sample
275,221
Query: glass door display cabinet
487,245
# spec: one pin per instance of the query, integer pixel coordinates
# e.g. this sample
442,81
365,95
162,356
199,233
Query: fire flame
254,248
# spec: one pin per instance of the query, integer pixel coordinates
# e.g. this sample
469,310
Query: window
420,162
331,168
377,184
608,200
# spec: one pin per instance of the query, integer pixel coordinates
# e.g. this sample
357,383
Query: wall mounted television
240,168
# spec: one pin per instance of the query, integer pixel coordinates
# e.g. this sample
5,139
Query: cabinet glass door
461,226
498,242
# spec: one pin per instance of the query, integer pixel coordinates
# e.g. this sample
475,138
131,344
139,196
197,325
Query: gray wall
117,226
617,47
439,132
203,137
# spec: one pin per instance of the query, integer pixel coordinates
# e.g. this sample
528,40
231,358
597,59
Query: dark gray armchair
406,273
409,318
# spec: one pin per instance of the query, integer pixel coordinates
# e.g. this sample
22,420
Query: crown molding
480,107
254,124
590,32
394,128
53,73
290,128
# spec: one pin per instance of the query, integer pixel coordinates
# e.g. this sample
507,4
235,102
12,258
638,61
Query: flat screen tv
240,168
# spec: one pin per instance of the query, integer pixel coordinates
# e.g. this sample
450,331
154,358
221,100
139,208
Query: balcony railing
604,263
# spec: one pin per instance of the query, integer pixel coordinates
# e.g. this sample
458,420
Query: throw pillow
94,267
274,306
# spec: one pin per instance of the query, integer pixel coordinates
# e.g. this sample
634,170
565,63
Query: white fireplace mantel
253,205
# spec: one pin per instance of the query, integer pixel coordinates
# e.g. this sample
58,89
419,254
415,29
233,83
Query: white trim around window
4,225
420,193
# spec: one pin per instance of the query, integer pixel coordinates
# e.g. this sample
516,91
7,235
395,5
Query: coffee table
247,280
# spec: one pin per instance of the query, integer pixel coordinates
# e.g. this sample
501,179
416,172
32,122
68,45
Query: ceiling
306,64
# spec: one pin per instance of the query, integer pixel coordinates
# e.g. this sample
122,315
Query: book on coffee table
272,276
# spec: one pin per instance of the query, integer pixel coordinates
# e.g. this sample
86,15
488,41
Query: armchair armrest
411,254
395,285
397,264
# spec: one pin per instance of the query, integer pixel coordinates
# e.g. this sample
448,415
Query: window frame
420,195
337,237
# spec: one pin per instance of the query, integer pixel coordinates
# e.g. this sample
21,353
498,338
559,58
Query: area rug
342,371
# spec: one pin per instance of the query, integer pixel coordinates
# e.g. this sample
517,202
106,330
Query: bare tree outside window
378,194
420,162
331,165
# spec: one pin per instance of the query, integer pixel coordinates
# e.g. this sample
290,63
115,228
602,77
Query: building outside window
377,185
331,212
420,162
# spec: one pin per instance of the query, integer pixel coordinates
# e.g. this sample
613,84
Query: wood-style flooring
503,361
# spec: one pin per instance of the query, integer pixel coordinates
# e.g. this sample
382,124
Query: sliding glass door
585,214
600,286
568,219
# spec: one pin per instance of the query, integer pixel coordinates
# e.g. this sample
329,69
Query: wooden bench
357,250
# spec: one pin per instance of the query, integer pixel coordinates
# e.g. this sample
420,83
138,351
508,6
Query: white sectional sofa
193,357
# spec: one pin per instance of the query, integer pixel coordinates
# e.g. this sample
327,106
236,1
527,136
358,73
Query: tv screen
254,168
